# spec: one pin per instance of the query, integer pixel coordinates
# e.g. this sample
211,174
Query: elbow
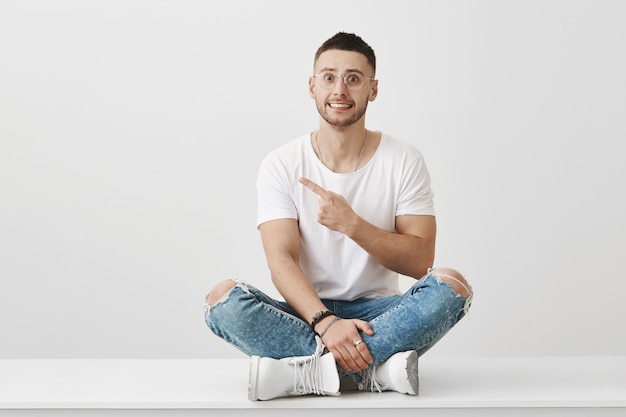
421,270
417,269
421,265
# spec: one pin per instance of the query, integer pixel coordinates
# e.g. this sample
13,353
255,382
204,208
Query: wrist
318,317
355,226
327,324
322,323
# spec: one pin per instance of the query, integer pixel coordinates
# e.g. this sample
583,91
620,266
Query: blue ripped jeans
259,325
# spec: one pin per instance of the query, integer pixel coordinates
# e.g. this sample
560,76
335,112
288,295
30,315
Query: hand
344,341
334,211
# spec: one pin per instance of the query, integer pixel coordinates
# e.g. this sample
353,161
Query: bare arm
281,241
410,251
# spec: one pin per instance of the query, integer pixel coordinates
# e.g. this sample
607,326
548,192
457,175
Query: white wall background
131,131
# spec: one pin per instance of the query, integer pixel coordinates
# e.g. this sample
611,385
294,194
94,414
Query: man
341,211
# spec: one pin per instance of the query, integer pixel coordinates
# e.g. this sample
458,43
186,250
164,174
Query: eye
328,77
353,78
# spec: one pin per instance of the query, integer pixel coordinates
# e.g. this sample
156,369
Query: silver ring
357,342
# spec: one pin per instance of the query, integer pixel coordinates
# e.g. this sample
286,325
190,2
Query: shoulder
398,149
286,155
284,163
398,145
294,146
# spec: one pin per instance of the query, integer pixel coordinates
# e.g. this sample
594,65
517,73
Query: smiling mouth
339,106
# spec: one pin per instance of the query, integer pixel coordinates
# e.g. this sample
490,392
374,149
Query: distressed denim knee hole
224,297
439,276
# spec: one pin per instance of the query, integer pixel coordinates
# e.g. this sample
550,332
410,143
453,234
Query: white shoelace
307,377
369,382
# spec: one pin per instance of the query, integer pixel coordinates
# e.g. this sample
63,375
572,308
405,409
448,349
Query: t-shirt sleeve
274,200
416,195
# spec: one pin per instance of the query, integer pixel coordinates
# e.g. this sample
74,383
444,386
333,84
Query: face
339,106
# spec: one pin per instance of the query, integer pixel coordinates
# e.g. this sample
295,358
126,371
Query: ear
373,90
312,87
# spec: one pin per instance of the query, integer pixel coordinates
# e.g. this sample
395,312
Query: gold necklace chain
358,159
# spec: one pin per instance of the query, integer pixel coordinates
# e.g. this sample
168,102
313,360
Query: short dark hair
348,42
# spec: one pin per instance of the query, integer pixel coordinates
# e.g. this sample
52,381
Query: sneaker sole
252,381
412,372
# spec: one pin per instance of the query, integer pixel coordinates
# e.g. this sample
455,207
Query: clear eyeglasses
352,81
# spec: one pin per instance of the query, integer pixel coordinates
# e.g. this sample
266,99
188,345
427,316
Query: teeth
340,106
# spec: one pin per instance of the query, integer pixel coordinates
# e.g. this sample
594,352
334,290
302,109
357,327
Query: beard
341,124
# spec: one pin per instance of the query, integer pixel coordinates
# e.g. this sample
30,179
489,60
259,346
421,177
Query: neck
341,151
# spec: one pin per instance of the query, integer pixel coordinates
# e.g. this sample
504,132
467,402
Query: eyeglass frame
343,78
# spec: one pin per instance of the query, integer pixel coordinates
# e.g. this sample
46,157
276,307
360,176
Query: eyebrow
348,71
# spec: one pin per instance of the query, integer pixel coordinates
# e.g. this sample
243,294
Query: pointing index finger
313,187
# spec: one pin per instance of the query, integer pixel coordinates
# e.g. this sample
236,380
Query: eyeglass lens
329,80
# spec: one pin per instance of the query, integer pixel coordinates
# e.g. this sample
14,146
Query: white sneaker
398,373
301,375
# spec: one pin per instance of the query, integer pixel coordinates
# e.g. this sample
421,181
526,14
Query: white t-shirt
394,182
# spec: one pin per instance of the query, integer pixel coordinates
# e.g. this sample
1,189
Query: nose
340,86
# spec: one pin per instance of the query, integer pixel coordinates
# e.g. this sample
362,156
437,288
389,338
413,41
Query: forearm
281,241
404,253
296,289
410,251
